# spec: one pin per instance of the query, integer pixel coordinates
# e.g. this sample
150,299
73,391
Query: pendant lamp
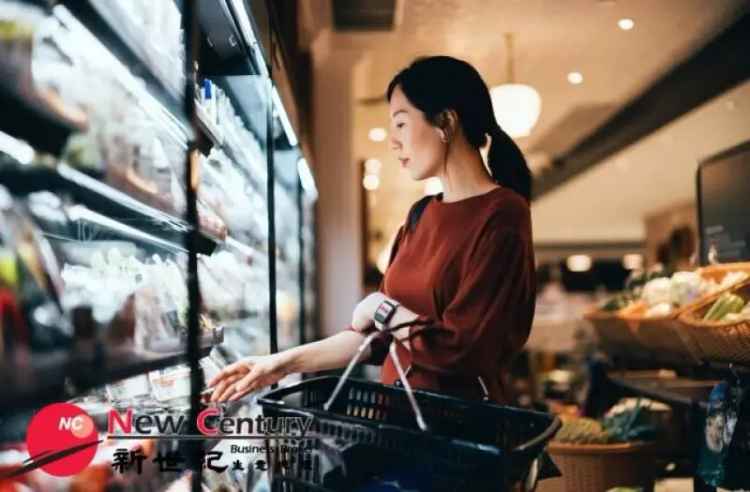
516,106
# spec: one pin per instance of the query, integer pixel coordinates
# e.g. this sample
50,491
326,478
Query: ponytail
507,164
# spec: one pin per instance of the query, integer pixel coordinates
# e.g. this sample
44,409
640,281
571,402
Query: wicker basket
663,336
658,336
714,340
599,467
612,330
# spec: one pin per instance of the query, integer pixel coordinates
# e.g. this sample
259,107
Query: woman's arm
253,373
329,353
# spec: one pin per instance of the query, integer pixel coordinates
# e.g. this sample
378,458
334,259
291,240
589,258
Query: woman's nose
395,143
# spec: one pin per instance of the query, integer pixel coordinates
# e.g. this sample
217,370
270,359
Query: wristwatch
384,313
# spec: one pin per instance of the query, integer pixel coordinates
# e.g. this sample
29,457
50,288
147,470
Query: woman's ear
447,122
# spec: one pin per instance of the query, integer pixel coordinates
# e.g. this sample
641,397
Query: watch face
383,313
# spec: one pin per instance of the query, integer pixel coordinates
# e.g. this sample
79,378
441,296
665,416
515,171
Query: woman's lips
404,162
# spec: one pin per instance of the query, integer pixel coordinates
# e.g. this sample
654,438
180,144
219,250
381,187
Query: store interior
184,184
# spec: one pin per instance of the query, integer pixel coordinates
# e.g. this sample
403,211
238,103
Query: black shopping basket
368,436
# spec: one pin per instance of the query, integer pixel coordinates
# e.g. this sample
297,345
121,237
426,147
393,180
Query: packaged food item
173,383
129,391
721,456
170,384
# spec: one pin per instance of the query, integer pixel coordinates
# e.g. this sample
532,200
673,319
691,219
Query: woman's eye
399,125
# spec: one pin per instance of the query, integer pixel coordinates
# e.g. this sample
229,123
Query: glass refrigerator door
234,279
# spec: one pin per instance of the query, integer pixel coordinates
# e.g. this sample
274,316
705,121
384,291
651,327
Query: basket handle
399,369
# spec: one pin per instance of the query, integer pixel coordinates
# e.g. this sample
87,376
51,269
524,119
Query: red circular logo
62,437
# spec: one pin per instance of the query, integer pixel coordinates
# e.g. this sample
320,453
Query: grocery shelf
126,50
63,375
105,200
28,117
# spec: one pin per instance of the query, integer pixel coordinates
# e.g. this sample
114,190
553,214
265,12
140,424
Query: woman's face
416,142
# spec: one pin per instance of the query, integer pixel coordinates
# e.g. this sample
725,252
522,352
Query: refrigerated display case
133,161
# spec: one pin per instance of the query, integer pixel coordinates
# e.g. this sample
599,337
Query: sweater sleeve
489,316
379,345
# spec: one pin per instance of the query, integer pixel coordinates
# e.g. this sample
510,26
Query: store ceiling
553,38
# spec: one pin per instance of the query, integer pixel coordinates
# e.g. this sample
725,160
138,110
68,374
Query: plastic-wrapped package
22,28
226,191
153,30
30,284
726,445
230,287
16,40
105,285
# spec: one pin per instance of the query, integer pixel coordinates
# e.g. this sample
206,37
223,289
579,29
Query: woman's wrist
289,360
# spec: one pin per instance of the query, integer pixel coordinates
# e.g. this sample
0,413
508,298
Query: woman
462,266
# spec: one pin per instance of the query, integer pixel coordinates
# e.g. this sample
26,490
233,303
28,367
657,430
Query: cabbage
657,291
685,287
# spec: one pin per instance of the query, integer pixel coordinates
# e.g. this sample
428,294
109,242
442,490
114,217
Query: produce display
662,294
624,424
633,290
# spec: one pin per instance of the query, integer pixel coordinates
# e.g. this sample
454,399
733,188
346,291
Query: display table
686,392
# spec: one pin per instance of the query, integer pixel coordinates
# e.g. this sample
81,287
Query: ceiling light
632,262
626,24
373,166
371,182
433,186
579,263
378,134
575,78
516,106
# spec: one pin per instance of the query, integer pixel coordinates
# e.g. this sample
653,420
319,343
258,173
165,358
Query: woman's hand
248,375
362,317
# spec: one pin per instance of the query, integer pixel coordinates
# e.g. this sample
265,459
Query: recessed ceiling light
626,24
579,263
575,78
378,134
371,182
373,166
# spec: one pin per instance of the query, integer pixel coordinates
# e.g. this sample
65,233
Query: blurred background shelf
104,200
